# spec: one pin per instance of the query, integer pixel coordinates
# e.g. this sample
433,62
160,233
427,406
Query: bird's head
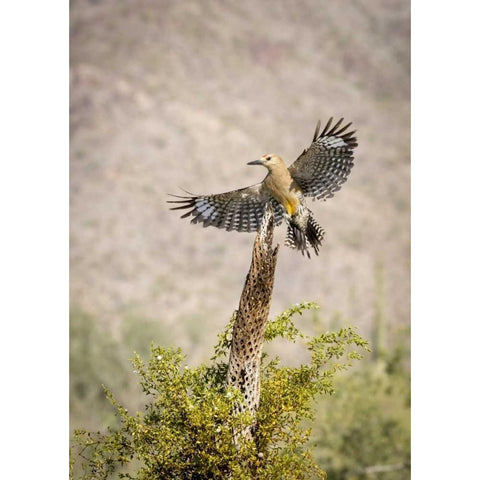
269,161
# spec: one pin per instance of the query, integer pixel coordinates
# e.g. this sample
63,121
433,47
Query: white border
445,239
34,246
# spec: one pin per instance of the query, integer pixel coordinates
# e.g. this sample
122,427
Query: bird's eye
268,158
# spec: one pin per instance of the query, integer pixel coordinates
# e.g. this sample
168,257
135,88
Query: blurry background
169,94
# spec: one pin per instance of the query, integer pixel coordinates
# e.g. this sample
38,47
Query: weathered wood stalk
251,319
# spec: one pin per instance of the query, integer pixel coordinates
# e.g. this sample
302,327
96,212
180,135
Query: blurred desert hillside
169,94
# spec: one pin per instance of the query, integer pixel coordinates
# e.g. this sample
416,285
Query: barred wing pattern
240,210
324,166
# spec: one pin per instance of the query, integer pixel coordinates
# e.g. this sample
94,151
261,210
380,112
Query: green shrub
187,428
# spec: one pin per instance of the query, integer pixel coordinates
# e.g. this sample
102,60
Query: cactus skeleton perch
252,317
318,172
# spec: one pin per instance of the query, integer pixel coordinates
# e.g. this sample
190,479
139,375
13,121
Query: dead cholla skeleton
318,172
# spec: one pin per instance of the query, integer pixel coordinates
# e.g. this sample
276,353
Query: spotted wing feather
322,168
241,210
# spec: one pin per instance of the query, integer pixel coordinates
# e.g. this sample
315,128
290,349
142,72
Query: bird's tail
303,233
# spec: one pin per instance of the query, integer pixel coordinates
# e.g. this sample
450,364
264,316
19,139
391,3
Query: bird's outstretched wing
240,210
324,166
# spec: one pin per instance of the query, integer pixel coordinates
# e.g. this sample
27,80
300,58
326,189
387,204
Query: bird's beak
256,162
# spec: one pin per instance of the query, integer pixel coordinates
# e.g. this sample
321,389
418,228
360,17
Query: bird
319,172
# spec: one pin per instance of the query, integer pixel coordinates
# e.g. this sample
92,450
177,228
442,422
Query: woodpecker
318,172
